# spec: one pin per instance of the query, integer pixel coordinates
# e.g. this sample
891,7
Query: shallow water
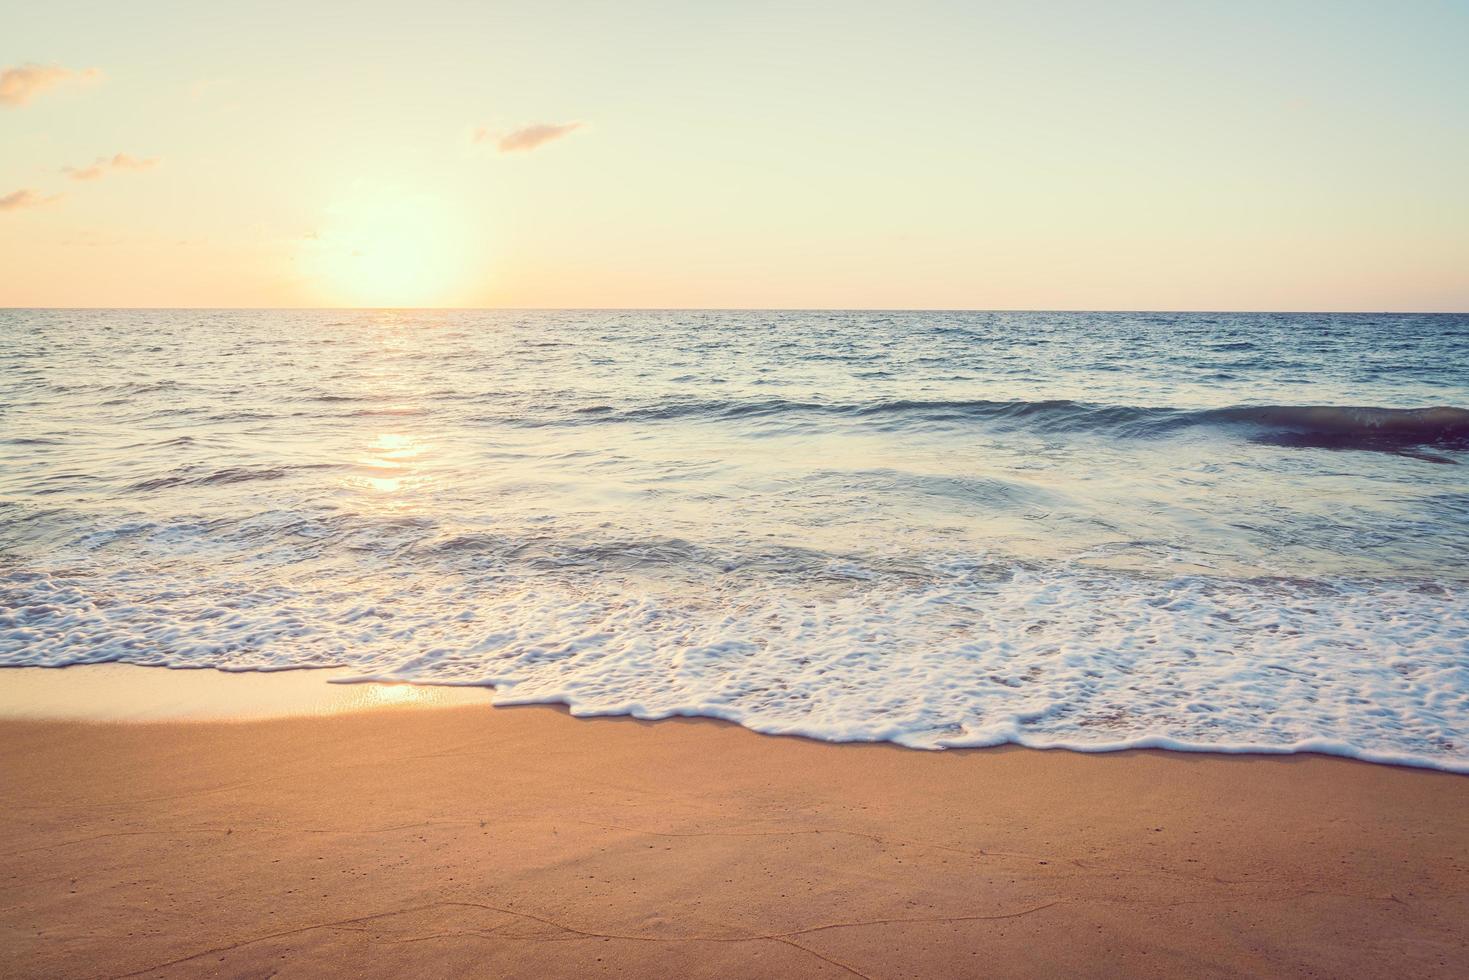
1096,530
117,692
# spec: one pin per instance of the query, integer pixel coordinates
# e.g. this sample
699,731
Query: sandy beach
449,841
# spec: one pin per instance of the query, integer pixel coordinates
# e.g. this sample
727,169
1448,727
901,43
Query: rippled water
1096,530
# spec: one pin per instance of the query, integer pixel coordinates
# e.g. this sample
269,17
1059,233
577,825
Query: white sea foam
961,655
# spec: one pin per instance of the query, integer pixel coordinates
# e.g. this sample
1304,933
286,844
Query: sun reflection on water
374,694
388,468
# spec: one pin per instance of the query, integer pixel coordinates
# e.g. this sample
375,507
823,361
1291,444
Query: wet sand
465,840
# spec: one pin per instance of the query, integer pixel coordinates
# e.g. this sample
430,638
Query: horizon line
718,309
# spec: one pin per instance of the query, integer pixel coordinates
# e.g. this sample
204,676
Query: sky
986,155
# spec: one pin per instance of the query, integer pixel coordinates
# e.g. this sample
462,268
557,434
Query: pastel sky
925,154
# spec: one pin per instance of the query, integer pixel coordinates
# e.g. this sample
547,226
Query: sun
382,249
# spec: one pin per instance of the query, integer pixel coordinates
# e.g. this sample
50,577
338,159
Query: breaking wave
1317,426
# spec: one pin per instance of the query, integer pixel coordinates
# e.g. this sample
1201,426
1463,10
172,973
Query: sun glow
383,249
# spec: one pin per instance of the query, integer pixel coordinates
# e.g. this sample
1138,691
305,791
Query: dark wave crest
1343,427
1315,426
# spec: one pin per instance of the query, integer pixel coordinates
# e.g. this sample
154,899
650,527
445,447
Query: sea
1194,531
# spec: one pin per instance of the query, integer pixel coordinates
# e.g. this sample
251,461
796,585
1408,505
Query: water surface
1095,530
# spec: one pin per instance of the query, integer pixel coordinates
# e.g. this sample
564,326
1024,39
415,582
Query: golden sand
523,842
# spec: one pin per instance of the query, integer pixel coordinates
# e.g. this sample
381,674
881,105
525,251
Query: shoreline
528,841
143,693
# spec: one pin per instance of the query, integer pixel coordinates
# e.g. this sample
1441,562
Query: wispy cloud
528,138
19,85
123,161
25,198
102,165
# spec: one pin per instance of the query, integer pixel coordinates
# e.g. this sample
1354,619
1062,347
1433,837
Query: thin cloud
25,198
529,138
19,85
123,161
102,165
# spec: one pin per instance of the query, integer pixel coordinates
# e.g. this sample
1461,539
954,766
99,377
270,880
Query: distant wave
228,475
1321,426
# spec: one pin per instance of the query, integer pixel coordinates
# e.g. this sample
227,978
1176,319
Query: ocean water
1212,531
